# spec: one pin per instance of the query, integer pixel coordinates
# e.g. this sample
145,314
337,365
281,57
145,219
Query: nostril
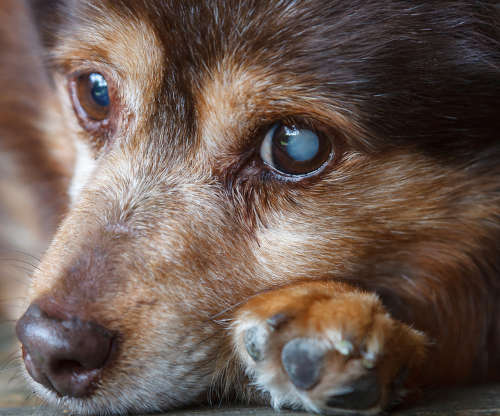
70,378
64,355
67,366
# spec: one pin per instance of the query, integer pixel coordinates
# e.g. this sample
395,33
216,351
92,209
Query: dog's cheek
367,218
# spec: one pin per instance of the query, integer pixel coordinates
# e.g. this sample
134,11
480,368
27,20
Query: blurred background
31,180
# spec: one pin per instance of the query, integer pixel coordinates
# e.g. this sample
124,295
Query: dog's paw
326,348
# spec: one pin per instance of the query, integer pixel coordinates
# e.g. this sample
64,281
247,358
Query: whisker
237,304
29,396
228,309
24,262
183,351
23,253
10,362
24,280
14,377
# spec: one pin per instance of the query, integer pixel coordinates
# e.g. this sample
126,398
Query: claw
344,347
369,360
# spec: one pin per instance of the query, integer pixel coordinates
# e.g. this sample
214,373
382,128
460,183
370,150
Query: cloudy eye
91,99
295,151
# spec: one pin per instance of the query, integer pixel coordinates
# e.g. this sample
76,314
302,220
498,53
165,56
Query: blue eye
300,145
99,89
91,99
293,150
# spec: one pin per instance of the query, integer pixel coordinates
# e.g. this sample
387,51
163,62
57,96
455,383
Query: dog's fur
180,240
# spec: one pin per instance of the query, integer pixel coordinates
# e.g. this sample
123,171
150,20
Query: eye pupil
301,146
295,151
99,89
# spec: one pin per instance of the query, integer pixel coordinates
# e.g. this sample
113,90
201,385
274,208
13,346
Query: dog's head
228,147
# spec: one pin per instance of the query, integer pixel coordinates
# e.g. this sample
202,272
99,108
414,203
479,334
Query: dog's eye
99,90
91,98
295,151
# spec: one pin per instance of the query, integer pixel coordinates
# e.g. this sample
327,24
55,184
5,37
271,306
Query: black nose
66,356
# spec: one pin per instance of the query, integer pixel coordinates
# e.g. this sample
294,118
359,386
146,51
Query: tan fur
232,96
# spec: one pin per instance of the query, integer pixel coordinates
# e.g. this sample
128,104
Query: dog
292,203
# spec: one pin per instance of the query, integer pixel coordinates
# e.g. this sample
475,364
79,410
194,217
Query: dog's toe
302,359
363,393
256,342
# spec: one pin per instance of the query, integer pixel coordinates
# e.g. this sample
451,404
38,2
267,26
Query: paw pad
303,361
256,342
361,394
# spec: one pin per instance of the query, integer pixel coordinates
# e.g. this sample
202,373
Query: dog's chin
149,396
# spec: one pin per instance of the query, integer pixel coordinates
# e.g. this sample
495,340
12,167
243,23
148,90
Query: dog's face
229,147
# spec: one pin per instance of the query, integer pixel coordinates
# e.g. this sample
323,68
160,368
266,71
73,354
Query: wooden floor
484,401
15,400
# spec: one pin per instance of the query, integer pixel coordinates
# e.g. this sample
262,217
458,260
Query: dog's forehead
206,63
192,33
342,63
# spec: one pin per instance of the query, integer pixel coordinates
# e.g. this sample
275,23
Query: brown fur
179,239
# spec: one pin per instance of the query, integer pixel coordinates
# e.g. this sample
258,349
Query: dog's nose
66,356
